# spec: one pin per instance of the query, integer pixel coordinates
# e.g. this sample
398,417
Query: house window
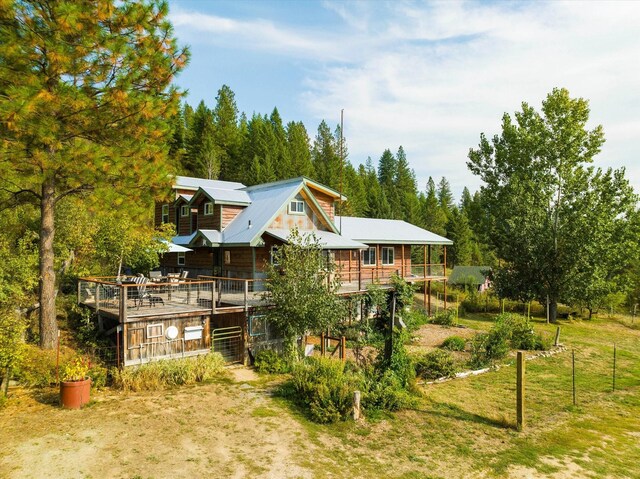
227,257
274,258
258,325
208,209
387,256
369,257
184,210
296,207
165,213
155,331
181,259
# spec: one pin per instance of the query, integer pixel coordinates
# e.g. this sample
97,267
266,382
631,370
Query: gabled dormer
217,207
183,217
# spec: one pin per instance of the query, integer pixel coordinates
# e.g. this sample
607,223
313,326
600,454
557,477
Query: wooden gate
229,342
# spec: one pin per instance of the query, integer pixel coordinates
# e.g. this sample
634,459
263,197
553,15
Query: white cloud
432,76
436,97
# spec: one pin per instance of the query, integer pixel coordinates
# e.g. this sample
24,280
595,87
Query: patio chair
141,290
155,276
184,275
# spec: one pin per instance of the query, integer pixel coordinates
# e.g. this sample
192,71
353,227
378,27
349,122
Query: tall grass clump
169,373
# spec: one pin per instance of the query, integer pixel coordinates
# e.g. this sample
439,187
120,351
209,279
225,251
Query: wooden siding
136,334
241,265
309,221
208,222
326,202
229,213
157,214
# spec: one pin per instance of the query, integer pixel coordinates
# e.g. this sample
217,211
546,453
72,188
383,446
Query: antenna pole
341,164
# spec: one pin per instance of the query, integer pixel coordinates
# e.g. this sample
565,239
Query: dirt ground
229,430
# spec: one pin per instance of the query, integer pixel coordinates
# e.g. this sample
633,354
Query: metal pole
341,164
57,361
520,391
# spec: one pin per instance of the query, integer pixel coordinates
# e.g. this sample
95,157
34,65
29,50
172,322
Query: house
474,276
228,233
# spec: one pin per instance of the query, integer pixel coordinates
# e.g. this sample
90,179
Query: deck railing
127,300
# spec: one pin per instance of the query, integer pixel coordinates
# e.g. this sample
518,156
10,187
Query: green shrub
37,367
269,361
168,373
400,362
454,343
98,375
524,337
386,393
326,387
414,319
436,364
445,317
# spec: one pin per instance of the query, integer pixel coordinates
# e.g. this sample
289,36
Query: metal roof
183,240
266,202
307,181
327,239
381,231
211,237
187,198
174,248
222,196
187,182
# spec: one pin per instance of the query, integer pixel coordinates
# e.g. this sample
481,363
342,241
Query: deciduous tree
553,218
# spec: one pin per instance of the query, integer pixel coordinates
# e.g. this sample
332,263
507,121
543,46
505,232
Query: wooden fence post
556,342
343,349
322,344
520,391
573,374
356,405
614,367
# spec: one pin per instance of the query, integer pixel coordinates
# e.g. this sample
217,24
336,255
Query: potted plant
75,387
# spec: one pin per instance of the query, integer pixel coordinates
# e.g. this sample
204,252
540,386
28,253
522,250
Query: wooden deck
207,295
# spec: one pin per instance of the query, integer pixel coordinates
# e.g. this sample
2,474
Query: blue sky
430,76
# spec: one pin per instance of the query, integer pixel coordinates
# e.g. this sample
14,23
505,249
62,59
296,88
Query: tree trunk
553,310
48,324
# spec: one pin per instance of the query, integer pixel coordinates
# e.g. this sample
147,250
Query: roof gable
267,202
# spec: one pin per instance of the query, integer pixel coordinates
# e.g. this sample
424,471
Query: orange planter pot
75,394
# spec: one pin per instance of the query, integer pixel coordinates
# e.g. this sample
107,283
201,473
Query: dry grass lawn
237,428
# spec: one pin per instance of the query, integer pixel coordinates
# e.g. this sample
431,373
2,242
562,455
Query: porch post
429,297
359,270
378,259
444,272
424,261
402,262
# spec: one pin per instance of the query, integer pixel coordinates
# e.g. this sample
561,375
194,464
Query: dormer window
165,213
208,209
296,207
184,210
